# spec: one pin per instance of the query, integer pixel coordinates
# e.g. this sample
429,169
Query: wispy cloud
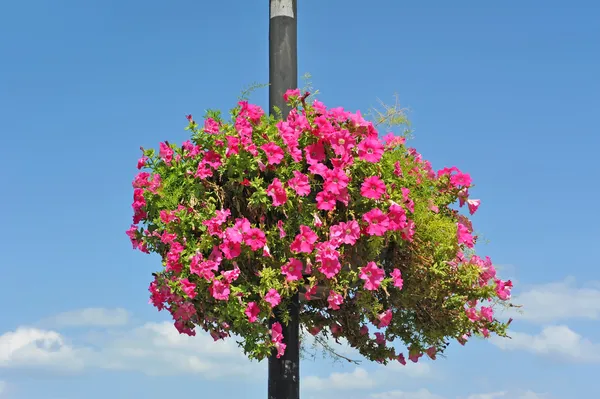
420,394
557,341
357,379
152,349
558,301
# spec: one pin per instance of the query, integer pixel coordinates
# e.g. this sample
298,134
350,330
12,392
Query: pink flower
342,142
385,318
487,313
231,249
274,153
335,300
328,257
473,205
325,201
273,297
219,290
414,355
280,346
277,192
335,180
277,338
299,183
370,150
276,332
392,140
397,217
255,239
503,289
364,330
336,330
292,270
317,220
188,287
142,162
345,232
464,237
304,242
398,169
234,235
405,193
380,338
372,276
290,93
315,330
402,359
166,153
408,231
472,314
461,179
203,269
318,169
377,221
397,279
280,227
211,126
203,171
233,145
431,351
252,311
231,275
310,291
373,187
315,153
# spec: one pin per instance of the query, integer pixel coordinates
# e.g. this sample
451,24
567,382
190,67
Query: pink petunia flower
335,300
378,222
373,187
277,192
219,290
252,311
370,150
345,232
274,153
292,270
397,279
272,297
255,239
372,276
304,242
299,183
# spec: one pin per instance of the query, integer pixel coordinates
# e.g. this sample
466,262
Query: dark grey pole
283,54
284,373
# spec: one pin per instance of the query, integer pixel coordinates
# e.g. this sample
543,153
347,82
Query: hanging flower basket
246,214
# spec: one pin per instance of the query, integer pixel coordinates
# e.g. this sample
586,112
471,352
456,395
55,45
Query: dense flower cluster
248,213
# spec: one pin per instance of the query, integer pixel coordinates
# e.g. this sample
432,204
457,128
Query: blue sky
509,93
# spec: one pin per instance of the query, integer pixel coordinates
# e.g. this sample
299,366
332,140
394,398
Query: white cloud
557,301
491,395
152,349
420,394
90,317
506,395
411,369
32,347
558,341
358,379
533,395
